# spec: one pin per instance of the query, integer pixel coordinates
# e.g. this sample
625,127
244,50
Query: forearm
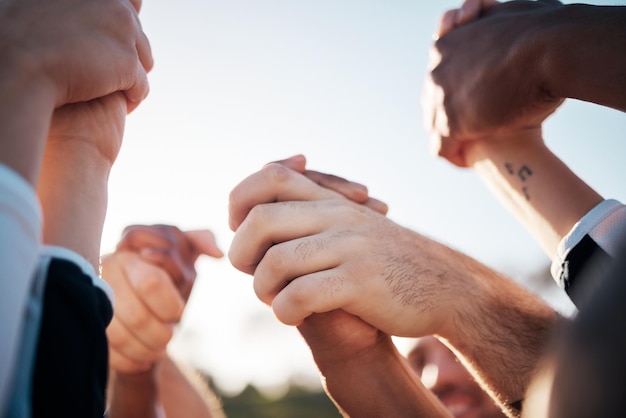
535,185
374,381
73,194
583,53
184,394
501,334
380,385
133,395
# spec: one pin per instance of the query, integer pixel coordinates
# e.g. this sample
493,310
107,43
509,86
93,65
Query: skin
542,192
62,109
45,68
304,245
152,273
532,64
450,381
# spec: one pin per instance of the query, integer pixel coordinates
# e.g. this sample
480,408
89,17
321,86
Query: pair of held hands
302,234
152,271
86,60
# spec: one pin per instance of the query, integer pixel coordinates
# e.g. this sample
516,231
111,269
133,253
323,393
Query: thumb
203,241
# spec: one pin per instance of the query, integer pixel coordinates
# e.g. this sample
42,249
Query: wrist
503,146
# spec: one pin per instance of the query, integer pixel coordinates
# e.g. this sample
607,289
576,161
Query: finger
126,344
446,22
166,246
286,261
144,51
138,91
136,5
352,190
181,274
318,292
449,149
203,242
297,163
269,224
471,10
273,183
377,206
155,289
136,237
122,364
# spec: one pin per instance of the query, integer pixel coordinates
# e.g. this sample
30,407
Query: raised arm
152,273
362,370
513,66
541,191
313,251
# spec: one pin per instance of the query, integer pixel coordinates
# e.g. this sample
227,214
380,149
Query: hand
363,372
354,191
98,124
311,250
338,336
485,79
151,274
81,49
171,249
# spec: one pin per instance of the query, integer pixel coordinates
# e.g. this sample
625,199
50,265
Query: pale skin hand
308,257
55,53
99,48
478,88
152,273
354,191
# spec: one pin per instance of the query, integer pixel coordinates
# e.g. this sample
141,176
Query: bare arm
83,143
532,56
362,370
328,253
183,392
543,193
152,273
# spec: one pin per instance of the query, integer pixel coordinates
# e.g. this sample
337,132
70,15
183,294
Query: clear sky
239,83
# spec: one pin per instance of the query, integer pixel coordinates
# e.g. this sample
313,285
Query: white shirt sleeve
20,238
605,224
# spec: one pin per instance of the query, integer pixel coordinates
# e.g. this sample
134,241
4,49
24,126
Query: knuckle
277,173
137,318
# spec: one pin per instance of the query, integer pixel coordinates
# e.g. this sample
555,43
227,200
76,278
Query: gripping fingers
469,11
155,289
284,262
273,183
318,292
133,351
268,225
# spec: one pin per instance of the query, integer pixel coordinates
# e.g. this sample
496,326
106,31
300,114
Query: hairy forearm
73,194
133,395
501,335
583,53
543,193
